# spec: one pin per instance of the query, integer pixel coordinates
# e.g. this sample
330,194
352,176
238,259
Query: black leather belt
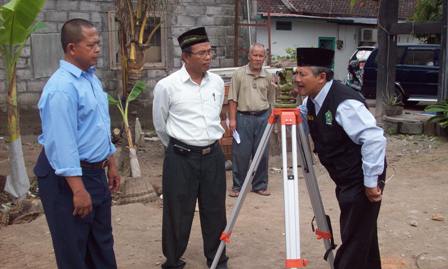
97,165
253,113
183,148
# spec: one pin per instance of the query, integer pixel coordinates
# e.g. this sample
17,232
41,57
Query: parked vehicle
356,66
417,73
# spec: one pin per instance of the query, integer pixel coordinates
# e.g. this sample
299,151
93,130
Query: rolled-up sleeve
234,87
160,109
59,123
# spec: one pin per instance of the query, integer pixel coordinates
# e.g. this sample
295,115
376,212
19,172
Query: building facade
41,55
332,24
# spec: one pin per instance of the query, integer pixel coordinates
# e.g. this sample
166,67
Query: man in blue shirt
76,140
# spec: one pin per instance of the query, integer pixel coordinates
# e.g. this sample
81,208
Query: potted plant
393,106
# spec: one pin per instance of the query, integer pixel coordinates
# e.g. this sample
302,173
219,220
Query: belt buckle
206,151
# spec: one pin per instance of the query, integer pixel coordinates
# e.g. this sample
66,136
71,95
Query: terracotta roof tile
333,8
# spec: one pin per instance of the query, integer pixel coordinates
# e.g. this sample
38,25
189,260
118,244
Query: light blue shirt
360,125
75,119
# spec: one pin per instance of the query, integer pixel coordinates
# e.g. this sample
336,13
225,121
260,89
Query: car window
400,52
436,57
419,57
362,55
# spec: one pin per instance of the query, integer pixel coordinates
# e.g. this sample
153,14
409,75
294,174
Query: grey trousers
250,128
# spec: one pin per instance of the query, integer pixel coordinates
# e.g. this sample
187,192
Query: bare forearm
232,109
111,162
76,184
113,175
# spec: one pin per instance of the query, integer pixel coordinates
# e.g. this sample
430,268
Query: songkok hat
191,37
315,57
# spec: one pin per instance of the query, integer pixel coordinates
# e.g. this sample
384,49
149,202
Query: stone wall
33,70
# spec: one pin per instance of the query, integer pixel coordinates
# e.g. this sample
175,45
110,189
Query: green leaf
441,110
112,100
138,88
435,109
16,18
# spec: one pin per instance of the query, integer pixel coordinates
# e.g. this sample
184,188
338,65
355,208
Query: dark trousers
358,222
79,243
188,177
251,129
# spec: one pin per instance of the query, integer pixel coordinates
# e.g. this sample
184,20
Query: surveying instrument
291,118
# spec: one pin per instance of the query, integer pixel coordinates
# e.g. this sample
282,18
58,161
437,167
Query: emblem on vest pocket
328,118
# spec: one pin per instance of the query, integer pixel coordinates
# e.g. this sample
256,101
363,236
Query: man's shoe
263,192
222,266
178,265
233,193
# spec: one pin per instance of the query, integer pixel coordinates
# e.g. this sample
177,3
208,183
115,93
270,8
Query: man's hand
232,114
82,203
373,194
113,175
232,125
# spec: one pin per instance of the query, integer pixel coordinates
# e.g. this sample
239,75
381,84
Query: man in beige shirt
250,95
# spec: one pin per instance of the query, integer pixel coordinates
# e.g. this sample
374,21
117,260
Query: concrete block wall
215,15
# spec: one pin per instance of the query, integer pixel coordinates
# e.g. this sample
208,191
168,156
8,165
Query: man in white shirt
352,148
186,115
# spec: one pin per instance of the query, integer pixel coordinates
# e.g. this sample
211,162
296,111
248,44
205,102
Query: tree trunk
18,183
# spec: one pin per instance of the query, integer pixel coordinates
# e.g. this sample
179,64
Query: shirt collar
320,97
261,74
184,76
74,70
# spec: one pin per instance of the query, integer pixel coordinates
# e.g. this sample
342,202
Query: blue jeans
250,128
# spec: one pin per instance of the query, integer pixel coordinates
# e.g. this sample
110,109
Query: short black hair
188,50
72,31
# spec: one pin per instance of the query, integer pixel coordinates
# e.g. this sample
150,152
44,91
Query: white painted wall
307,33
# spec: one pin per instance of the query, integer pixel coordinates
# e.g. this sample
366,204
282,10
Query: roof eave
341,20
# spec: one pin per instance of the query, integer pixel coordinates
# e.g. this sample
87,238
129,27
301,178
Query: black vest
337,152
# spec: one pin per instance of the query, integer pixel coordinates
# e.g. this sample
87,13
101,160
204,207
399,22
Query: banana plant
17,22
135,35
138,88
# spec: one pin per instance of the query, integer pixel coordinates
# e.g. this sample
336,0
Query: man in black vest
352,149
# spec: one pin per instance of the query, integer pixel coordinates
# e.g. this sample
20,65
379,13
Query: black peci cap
315,57
191,37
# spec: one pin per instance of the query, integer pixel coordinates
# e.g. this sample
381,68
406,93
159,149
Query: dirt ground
410,238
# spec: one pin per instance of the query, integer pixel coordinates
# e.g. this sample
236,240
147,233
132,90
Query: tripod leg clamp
296,263
327,235
225,237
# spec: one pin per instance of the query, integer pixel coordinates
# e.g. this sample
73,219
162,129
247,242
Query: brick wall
215,15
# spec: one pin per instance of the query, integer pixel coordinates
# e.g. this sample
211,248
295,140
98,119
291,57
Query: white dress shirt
187,111
360,125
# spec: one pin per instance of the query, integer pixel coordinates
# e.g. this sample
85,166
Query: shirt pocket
213,100
262,89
